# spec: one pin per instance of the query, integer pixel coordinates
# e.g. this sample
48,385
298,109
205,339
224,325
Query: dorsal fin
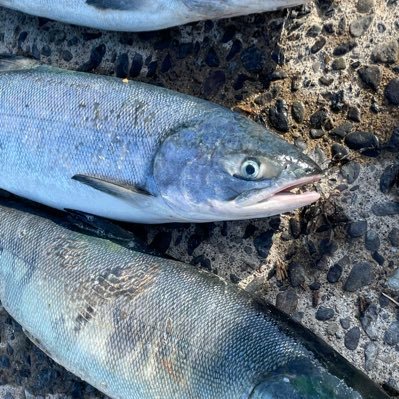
120,5
16,63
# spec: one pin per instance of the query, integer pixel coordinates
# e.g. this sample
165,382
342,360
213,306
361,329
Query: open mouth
284,193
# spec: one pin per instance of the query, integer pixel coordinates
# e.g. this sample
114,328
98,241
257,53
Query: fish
134,152
138,326
142,15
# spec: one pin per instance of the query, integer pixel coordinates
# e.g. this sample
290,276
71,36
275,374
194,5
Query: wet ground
326,77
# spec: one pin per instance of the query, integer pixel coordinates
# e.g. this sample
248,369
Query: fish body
141,15
136,326
139,153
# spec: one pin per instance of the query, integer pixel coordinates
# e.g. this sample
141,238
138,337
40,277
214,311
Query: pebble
278,116
339,152
357,229
338,64
365,6
393,144
332,328
324,313
263,242
319,119
352,338
386,53
317,133
325,81
370,76
345,323
378,258
344,48
318,45
287,301
368,321
372,240
386,208
334,273
391,336
392,92
214,83
393,237
393,282
212,59
370,355
389,178
350,171
360,26
360,276
253,59
296,275
341,131
365,142
4,362
354,114
298,111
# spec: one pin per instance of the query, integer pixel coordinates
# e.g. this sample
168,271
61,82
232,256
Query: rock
315,286
334,273
318,45
391,336
357,229
326,81
360,26
370,76
350,171
393,282
386,208
345,323
389,178
319,119
344,48
354,114
211,58
393,144
369,320
339,152
372,241
162,241
365,6
332,328
370,355
378,258
352,338
295,228
287,301
392,92
341,131
338,64
4,362
360,276
316,133
365,142
324,313
386,53
298,111
263,243
296,274
213,83
314,31
278,116
253,59
393,237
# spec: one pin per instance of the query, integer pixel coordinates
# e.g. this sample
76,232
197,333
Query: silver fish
136,326
142,15
134,152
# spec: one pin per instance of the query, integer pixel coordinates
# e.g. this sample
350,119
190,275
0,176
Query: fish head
231,8
226,167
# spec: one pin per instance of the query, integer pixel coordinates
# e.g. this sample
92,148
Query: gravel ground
326,76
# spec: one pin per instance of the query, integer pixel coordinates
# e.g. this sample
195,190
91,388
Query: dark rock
357,229
337,100
339,152
317,133
360,26
296,275
287,301
386,53
350,171
295,228
278,116
378,258
372,240
263,243
345,323
393,282
344,48
389,178
369,320
319,119
211,58
4,362
162,241
338,64
386,209
314,31
370,355
318,45
360,276
392,92
365,6
354,114
315,286
193,242
365,142
234,279
166,64
391,336
214,83
370,76
203,262
352,338
334,273
253,59
341,131
393,144
298,111
325,81
393,237
324,313
234,50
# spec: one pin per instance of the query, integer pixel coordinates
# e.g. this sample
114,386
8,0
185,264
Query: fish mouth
282,195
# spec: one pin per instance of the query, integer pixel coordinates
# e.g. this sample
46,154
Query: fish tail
9,62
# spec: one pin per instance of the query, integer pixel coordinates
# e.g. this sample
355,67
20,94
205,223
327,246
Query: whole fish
135,152
136,326
142,15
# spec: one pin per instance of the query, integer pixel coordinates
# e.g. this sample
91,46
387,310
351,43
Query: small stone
344,48
324,313
393,144
314,31
354,114
214,83
338,64
339,152
334,273
295,228
345,323
341,131
4,362
360,26
278,116
386,53
393,237
318,45
332,328
352,338
357,229
393,282
365,6
391,336
326,81
392,92
370,355
287,301
316,133
296,275
253,59
211,58
372,241
318,119
315,286
360,276
378,258
386,208
365,142
369,320
370,76
263,243
298,111
350,171
389,178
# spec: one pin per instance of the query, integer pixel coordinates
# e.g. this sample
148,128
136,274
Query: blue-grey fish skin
140,327
142,15
138,153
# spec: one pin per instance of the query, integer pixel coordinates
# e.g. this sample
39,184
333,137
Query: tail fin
16,63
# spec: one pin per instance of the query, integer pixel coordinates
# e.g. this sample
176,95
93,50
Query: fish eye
250,169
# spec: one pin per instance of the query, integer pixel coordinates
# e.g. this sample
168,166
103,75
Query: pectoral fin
120,5
115,189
